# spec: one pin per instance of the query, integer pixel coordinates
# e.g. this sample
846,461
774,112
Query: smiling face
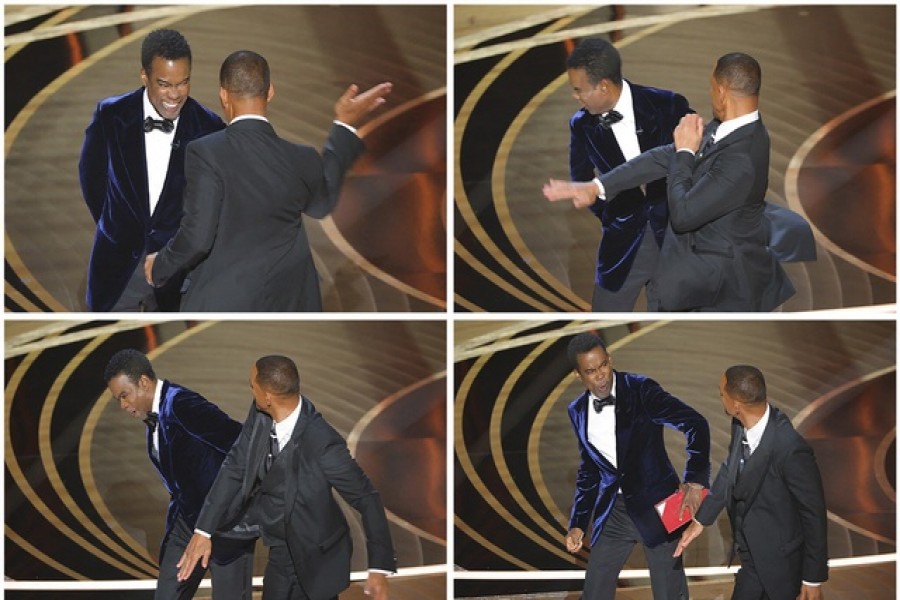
595,372
168,85
135,398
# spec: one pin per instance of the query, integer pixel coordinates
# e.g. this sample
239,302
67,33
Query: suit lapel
645,117
758,465
131,134
624,417
293,467
259,445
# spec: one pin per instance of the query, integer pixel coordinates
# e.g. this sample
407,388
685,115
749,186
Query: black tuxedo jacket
783,507
242,236
318,536
643,470
194,437
113,174
715,256
594,150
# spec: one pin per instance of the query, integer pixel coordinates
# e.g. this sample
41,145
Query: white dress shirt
601,427
157,398
158,150
626,129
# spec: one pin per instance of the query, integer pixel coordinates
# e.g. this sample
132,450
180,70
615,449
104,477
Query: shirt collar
157,396
755,433
729,126
246,117
285,428
150,111
625,105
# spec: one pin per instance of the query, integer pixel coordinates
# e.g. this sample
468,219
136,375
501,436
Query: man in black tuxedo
187,440
132,175
619,120
715,256
242,236
771,486
625,471
281,473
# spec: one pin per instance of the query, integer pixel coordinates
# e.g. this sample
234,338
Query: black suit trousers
747,585
608,556
233,581
280,581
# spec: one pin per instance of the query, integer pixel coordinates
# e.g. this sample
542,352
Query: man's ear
144,78
271,93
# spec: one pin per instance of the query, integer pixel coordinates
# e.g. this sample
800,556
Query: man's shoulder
197,110
123,102
654,94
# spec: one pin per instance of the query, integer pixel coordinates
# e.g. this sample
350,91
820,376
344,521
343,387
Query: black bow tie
151,420
599,404
164,125
606,121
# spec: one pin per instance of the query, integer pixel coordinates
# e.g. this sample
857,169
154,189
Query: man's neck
282,407
751,416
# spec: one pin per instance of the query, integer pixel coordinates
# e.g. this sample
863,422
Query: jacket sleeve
203,196
720,492
206,422
345,475
718,191
341,150
92,166
665,409
643,168
224,496
804,483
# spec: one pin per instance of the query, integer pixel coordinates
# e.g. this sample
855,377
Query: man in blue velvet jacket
187,440
618,121
625,471
132,175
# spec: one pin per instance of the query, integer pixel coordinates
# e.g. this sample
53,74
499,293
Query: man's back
246,194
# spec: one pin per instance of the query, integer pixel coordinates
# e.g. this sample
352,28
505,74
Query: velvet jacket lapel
130,132
583,407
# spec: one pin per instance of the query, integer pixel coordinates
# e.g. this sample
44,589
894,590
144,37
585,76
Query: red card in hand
670,508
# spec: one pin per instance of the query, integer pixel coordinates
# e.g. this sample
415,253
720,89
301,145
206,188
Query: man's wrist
203,533
342,124
694,485
381,571
812,584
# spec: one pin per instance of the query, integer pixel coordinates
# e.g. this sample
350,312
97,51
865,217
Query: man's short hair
132,363
164,43
278,374
245,73
740,73
745,384
582,344
599,59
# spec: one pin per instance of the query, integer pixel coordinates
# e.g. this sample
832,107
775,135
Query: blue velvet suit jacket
317,533
644,471
113,174
624,217
784,523
194,437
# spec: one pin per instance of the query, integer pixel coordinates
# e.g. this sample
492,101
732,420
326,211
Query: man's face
717,98
595,372
168,85
259,395
596,99
728,403
135,398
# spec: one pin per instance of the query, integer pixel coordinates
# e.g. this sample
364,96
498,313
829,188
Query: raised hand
352,107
